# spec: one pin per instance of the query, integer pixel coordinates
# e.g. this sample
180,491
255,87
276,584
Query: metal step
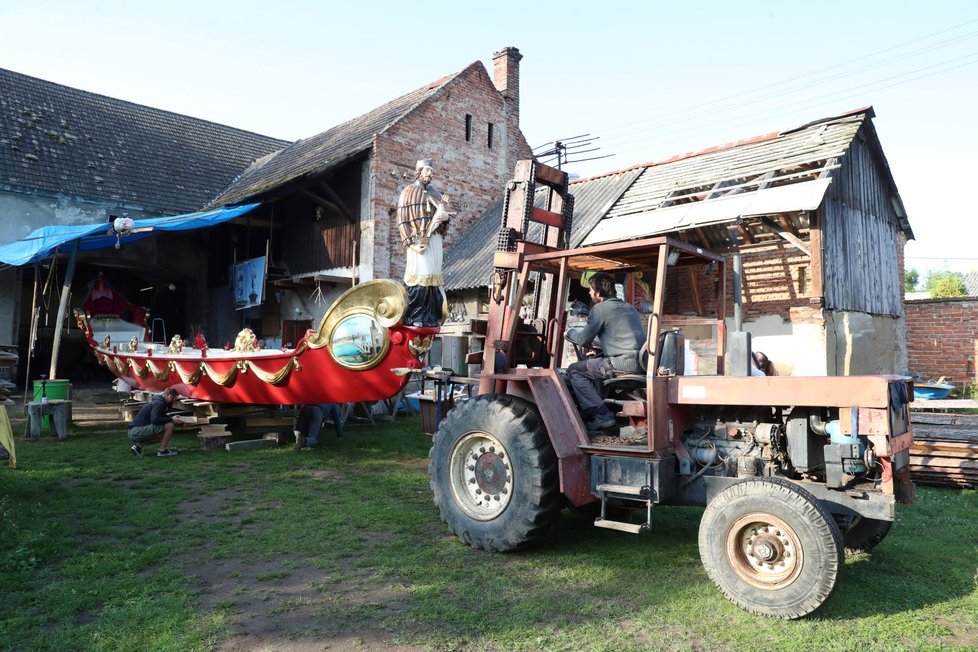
633,528
628,490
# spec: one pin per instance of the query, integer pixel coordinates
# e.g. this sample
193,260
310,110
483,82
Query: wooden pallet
945,450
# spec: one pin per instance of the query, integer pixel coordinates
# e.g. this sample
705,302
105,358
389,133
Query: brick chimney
506,77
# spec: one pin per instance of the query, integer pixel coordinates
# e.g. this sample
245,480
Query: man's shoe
136,450
300,442
165,453
601,421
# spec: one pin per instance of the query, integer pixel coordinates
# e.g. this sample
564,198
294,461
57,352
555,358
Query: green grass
100,550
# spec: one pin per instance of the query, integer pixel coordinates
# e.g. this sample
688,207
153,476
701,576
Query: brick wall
942,338
776,280
473,173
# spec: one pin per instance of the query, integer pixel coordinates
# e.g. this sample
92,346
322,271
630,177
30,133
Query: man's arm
586,335
158,416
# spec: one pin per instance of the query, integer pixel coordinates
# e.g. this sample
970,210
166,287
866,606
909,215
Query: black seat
625,386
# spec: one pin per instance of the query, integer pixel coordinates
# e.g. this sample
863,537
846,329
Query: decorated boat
361,351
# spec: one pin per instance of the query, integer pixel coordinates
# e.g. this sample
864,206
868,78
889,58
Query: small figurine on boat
361,351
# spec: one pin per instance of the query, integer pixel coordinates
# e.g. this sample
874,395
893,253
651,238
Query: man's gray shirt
619,327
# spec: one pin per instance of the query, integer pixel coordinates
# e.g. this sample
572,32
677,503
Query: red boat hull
313,372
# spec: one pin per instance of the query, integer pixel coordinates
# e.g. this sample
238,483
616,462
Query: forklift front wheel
493,473
771,547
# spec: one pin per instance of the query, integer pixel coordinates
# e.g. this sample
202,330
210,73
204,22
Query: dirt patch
269,604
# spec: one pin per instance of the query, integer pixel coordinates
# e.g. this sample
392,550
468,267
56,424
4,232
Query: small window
489,136
468,128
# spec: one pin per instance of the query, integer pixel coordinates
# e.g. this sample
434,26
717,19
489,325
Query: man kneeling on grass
153,424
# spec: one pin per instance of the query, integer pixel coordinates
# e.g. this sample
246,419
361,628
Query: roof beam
788,236
325,203
344,210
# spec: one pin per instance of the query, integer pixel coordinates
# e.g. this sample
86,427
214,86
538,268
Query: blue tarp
42,242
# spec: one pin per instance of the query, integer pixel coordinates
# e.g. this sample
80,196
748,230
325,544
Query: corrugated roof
754,166
63,140
317,154
468,262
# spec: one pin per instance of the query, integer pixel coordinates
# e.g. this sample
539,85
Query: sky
644,80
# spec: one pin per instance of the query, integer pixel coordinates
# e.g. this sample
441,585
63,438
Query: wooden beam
328,205
787,225
790,237
704,241
697,305
830,165
340,204
256,222
745,233
815,242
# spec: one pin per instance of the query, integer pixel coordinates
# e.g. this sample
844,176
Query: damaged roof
314,155
780,173
710,192
58,139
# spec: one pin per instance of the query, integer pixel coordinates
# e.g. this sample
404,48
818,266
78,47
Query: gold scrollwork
246,341
176,345
419,346
224,380
190,378
384,300
278,377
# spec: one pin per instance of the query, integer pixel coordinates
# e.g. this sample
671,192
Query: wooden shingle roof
58,139
311,156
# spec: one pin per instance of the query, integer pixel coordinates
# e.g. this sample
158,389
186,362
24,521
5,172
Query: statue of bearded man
422,219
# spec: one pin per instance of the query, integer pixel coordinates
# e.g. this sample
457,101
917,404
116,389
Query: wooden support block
249,444
212,441
57,410
280,438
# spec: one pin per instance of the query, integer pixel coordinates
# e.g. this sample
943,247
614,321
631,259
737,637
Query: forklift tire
864,534
771,548
493,473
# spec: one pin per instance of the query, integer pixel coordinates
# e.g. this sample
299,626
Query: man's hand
419,248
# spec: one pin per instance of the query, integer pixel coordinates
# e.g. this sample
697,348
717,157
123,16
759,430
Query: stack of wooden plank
945,449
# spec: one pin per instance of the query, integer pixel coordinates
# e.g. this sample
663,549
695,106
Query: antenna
564,152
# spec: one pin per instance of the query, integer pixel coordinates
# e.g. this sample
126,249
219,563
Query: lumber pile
945,450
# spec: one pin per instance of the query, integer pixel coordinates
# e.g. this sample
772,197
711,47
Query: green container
56,390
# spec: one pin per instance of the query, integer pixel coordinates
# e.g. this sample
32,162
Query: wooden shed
815,216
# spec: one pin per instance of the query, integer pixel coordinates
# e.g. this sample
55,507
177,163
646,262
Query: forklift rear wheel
864,534
494,473
770,547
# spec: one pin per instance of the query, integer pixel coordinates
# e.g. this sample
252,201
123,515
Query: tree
910,280
942,285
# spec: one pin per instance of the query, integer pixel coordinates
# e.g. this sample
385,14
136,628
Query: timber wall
859,239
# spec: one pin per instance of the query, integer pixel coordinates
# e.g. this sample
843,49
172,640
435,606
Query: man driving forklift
618,327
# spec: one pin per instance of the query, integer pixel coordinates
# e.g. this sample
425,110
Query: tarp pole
62,308
31,335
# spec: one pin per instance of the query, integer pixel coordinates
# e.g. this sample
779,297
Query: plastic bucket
56,390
